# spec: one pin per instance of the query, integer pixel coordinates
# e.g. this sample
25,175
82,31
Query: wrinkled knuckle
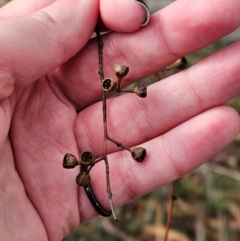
161,35
177,169
113,51
142,122
196,97
130,181
56,35
7,84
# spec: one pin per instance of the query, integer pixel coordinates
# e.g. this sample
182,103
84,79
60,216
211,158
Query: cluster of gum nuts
87,159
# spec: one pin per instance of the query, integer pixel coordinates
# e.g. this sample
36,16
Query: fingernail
144,5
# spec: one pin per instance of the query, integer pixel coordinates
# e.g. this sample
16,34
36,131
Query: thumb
34,45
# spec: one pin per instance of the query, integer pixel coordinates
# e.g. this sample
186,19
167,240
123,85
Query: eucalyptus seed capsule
83,179
178,64
70,161
138,153
109,84
121,70
87,158
141,90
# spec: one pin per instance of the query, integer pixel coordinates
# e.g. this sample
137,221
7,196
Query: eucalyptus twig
118,144
108,84
169,219
104,108
87,159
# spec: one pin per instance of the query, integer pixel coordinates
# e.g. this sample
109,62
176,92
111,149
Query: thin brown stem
124,91
104,108
118,88
117,143
98,159
95,161
169,219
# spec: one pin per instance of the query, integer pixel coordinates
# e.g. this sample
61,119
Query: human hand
181,123
38,198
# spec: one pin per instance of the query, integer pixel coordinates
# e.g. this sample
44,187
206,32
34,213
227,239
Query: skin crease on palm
50,104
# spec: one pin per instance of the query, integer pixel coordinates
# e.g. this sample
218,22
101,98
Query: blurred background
208,204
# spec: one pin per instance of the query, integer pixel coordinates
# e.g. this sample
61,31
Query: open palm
50,105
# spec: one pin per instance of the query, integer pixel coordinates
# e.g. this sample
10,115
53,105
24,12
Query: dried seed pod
87,158
178,64
121,70
83,179
109,84
141,90
70,161
138,153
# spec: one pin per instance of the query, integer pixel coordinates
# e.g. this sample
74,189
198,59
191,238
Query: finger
170,102
173,32
29,54
121,16
169,157
22,8
130,15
